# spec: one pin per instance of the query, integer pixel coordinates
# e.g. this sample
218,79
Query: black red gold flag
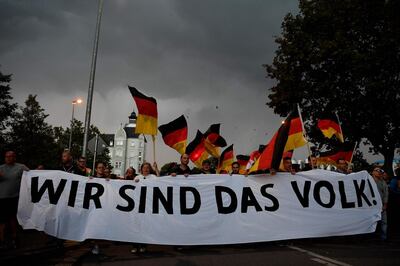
146,122
175,134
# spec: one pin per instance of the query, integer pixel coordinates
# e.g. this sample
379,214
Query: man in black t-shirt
67,163
182,168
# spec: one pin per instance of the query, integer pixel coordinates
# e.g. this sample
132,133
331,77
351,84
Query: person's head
312,160
235,168
66,157
185,159
341,165
107,172
350,169
10,158
100,167
130,173
82,162
205,165
386,177
377,172
397,171
287,164
146,169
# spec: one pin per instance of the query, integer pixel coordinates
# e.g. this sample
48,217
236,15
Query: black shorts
8,209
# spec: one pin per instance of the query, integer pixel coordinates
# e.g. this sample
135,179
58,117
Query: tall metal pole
91,80
96,143
70,130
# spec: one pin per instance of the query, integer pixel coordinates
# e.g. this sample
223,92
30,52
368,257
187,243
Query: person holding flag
289,136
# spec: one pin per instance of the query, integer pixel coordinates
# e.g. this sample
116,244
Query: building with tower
126,148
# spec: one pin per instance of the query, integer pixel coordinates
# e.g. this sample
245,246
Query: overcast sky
198,58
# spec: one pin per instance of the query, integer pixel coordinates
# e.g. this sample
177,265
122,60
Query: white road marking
324,262
334,262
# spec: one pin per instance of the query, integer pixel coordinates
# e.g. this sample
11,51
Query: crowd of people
11,173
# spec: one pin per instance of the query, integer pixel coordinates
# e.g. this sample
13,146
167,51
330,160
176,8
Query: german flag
288,137
175,134
254,156
196,150
213,140
146,122
242,160
343,151
226,160
329,125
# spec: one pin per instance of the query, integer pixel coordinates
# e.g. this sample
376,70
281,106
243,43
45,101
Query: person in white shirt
146,171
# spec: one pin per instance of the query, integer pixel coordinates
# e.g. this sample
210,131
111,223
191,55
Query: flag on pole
329,124
213,140
226,160
196,149
242,160
254,156
342,151
288,137
146,122
175,134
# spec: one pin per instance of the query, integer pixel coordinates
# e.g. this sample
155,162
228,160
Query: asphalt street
350,250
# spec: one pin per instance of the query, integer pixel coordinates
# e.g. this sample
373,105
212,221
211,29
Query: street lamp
74,102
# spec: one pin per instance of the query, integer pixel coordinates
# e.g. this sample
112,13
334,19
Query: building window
118,165
118,153
119,143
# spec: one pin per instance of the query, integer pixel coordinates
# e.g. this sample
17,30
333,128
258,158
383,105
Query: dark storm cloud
199,58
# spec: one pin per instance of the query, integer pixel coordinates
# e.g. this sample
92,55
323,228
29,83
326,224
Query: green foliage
342,56
35,141
31,137
166,168
62,140
7,110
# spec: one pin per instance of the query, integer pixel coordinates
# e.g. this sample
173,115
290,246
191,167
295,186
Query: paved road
342,251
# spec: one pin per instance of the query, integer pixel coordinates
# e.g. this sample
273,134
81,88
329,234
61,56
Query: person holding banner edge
182,168
146,171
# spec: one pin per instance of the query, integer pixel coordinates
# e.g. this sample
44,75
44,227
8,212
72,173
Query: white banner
200,209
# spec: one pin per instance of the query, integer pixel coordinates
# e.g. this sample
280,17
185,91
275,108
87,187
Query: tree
32,138
7,110
342,56
62,139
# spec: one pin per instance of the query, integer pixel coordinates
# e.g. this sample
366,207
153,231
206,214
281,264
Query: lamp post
91,79
74,102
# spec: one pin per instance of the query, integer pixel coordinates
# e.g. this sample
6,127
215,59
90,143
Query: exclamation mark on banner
372,192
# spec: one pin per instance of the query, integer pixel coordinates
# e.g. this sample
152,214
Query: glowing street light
74,102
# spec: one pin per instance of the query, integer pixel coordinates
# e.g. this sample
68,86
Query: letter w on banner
201,209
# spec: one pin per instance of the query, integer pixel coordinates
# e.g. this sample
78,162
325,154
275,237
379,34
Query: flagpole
153,137
352,155
340,124
305,136
91,80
